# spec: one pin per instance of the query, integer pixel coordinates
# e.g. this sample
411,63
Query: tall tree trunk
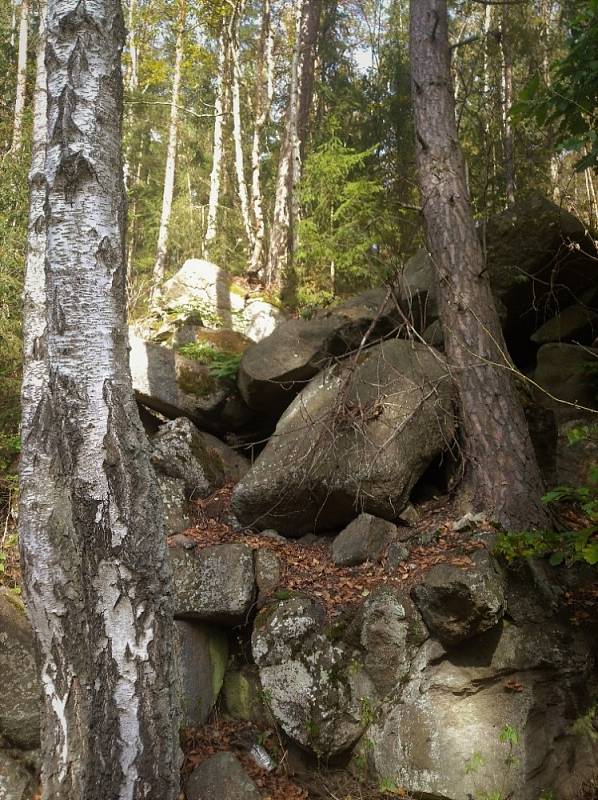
501,475
91,532
263,101
132,77
238,125
507,101
169,173
17,134
217,147
284,219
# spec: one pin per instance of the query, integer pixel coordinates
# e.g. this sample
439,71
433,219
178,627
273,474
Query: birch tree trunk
169,173
217,147
17,134
284,217
263,102
91,533
501,476
238,126
132,77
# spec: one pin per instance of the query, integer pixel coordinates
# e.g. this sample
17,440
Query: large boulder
214,584
357,438
273,371
174,385
211,293
566,372
201,658
20,694
179,451
504,714
221,777
177,511
458,603
576,323
314,687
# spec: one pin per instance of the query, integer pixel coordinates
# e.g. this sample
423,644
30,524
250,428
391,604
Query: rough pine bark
501,476
91,532
17,134
170,170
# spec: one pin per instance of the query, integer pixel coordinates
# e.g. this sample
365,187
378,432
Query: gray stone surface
243,695
179,451
202,656
268,571
20,686
454,707
273,371
16,781
572,323
460,602
352,442
314,686
221,777
364,539
177,514
214,584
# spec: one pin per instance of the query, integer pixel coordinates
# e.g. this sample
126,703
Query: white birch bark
281,219
507,101
92,544
238,127
169,173
132,77
263,102
17,135
217,148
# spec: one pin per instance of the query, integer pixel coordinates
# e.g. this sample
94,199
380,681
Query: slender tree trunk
91,533
284,220
17,134
263,102
507,102
238,125
501,476
132,77
169,173
217,147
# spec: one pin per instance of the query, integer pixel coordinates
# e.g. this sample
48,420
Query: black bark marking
73,171
65,129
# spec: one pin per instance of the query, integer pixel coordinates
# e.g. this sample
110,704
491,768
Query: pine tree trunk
238,126
501,476
91,533
169,173
217,147
263,102
507,102
17,134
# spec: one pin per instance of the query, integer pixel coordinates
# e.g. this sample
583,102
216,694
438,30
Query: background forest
225,100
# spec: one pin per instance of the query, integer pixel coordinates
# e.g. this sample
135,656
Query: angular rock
243,695
202,655
179,451
235,465
261,318
176,386
273,371
177,514
21,689
364,539
214,584
221,777
450,715
267,574
564,371
460,602
314,688
352,441
16,781
390,630
574,323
